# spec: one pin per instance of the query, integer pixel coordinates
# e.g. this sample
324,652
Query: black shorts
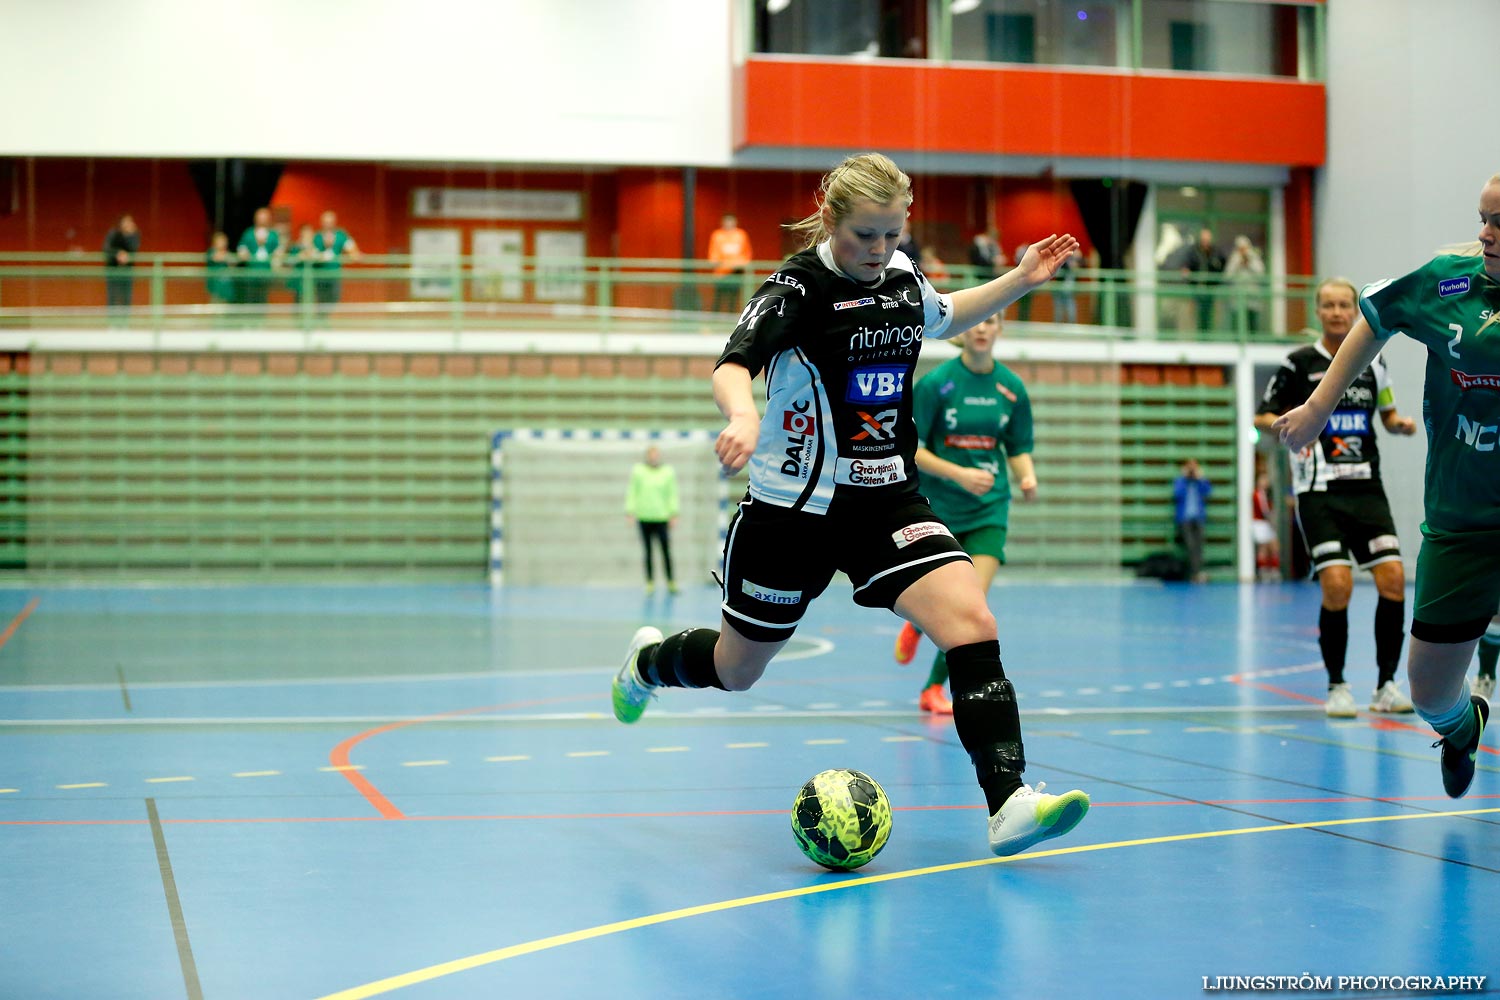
1347,529
777,560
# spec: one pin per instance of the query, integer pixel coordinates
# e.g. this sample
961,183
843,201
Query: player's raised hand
1044,257
736,442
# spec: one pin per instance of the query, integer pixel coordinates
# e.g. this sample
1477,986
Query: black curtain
232,189
1111,210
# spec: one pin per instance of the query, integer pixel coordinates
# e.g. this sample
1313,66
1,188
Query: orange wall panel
1029,112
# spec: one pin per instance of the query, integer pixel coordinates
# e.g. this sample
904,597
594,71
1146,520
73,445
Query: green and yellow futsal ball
841,819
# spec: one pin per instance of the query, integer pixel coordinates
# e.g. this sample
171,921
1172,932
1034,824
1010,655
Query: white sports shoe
1029,817
1340,703
1388,698
629,692
1484,687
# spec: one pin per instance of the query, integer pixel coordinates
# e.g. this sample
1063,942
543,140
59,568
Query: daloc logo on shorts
1453,286
875,385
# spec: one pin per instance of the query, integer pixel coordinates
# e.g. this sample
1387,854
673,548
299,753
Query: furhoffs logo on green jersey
1453,286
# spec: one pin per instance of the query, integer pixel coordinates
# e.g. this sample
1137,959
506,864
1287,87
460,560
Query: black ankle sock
987,719
1489,652
683,660
1333,640
1390,633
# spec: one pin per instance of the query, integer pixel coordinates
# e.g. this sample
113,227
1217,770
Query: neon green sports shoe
1029,817
630,692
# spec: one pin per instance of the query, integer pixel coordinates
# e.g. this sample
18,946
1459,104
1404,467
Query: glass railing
50,293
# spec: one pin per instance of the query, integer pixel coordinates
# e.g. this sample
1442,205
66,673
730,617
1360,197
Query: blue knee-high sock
1457,723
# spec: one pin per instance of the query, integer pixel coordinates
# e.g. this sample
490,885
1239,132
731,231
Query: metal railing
44,292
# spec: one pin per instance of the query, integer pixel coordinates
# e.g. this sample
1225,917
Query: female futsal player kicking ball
837,331
1451,305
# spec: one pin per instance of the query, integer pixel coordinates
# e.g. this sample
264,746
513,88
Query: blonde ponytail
868,176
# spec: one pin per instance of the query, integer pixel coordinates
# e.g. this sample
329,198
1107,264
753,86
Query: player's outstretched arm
1043,258
1301,425
736,400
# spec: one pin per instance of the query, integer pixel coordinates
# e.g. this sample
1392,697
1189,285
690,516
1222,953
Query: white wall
575,81
1411,140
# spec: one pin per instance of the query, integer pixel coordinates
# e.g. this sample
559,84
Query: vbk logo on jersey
1453,286
1348,422
875,385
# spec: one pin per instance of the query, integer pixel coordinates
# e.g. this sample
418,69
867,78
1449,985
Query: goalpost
557,506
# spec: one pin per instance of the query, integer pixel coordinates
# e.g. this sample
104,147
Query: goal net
557,510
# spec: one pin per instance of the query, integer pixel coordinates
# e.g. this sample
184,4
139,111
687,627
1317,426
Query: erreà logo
1453,286
1465,381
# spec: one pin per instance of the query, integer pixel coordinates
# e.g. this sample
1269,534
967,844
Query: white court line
818,647
780,712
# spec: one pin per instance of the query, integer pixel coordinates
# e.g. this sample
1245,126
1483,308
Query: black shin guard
987,719
682,660
1390,633
1333,640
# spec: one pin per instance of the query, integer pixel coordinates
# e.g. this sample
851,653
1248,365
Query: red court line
1237,679
15,622
690,814
1386,723
339,755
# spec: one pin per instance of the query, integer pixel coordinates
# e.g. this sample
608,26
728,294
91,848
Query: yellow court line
514,756
423,763
343,767
825,743
432,972
163,781
6,791
667,749
744,746
85,784
255,774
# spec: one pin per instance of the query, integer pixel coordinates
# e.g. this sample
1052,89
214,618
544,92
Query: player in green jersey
971,412
1452,306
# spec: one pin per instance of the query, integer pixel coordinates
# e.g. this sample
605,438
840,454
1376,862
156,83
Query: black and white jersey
838,357
1345,458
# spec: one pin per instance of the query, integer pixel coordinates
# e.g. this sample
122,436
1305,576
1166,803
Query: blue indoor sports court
369,791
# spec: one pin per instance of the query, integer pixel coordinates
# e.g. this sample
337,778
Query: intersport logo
1465,381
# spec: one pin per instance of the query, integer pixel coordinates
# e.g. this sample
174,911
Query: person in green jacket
651,502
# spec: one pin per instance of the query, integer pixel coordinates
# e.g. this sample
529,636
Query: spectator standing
1190,494
729,249
259,250
299,259
986,257
1203,267
332,245
1246,272
651,501
1064,290
121,244
1263,532
219,259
